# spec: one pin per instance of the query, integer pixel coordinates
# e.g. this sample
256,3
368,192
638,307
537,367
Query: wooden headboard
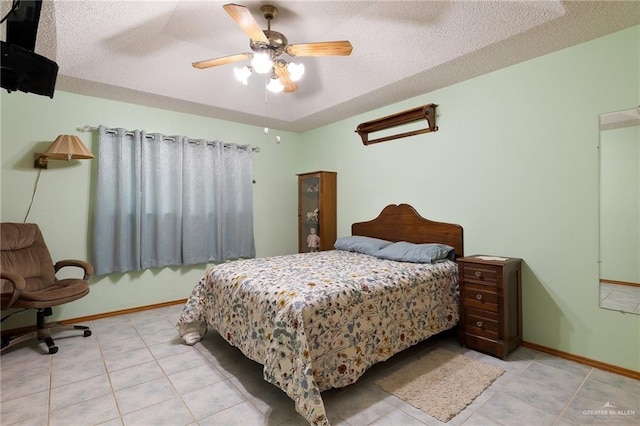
401,222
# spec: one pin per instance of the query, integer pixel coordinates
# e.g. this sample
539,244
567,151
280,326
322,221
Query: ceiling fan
267,46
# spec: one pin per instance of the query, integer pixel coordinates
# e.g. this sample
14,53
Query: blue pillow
359,244
417,253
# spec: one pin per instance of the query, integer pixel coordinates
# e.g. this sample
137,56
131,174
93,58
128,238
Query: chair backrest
24,252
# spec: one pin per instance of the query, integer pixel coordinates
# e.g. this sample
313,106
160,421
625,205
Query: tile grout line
146,345
50,411
574,395
500,390
169,380
106,371
50,390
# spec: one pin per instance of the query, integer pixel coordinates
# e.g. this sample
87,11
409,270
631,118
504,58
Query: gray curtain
169,200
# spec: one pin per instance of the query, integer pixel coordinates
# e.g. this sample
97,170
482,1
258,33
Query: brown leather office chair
29,281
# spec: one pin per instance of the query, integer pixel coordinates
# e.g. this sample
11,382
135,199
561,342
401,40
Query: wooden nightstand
490,303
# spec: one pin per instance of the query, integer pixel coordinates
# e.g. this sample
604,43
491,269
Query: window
170,200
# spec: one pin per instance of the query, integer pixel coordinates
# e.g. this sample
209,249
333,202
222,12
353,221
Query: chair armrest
87,267
18,284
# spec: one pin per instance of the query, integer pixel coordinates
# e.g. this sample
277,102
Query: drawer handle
478,297
479,324
478,274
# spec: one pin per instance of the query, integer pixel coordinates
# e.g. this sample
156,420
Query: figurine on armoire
313,240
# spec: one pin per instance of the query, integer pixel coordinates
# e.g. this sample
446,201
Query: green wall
514,162
63,203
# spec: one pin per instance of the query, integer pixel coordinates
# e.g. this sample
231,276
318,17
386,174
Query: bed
317,321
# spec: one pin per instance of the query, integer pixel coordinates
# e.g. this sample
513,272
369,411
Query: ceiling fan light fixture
266,48
296,71
275,85
262,63
242,74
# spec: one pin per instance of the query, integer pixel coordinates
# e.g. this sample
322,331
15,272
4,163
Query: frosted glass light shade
275,85
242,74
261,63
296,71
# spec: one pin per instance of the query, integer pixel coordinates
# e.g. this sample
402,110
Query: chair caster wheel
53,350
87,333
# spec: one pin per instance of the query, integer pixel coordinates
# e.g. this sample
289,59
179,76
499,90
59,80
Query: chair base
42,333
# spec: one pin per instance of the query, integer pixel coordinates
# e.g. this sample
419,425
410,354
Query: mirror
620,210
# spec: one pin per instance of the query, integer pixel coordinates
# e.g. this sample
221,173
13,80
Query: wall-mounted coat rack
426,112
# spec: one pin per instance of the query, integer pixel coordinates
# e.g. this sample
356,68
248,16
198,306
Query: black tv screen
24,70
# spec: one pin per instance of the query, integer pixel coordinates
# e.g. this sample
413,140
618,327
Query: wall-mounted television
20,67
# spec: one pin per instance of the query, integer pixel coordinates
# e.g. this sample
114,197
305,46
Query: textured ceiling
141,51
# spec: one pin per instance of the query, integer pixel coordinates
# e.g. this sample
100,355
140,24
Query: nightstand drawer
481,297
483,344
481,323
481,274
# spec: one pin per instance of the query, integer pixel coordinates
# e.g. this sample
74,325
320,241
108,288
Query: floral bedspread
317,321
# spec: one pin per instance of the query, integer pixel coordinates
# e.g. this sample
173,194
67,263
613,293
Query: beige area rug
441,383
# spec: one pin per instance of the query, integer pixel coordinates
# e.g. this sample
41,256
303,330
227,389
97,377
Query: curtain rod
196,141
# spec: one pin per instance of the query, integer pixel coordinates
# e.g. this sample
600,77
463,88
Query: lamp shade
67,147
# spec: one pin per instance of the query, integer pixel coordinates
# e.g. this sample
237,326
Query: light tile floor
134,370
620,298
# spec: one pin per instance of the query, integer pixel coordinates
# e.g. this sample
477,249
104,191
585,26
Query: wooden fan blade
221,61
283,74
323,48
243,18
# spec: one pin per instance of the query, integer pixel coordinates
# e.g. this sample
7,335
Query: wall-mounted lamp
65,147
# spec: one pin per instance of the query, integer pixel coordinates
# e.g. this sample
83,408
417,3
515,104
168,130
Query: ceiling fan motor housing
277,43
